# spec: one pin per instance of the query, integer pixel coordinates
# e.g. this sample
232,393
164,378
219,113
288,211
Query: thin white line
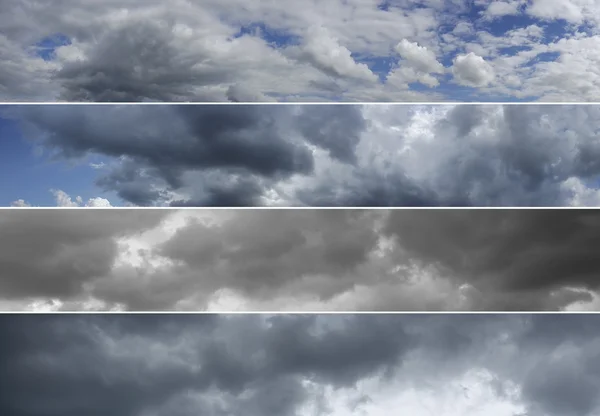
378,208
411,103
279,312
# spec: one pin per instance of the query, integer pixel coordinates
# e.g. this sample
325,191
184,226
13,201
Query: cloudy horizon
299,260
299,365
334,50
300,155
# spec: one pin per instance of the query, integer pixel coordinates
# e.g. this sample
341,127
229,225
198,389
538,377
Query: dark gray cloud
264,252
138,62
296,259
54,253
90,377
333,127
253,144
328,155
516,250
129,365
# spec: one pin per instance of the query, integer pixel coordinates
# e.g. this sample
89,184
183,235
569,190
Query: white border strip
267,103
378,208
283,312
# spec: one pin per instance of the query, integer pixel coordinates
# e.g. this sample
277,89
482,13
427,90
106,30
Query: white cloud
501,8
579,195
64,200
325,52
472,70
98,202
419,57
572,10
19,203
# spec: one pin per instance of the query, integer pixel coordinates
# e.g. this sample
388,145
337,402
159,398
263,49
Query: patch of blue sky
462,93
274,37
384,5
499,26
418,87
379,65
513,50
448,59
47,46
591,183
555,30
29,176
546,57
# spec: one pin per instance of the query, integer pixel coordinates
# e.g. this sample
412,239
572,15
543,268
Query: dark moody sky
126,259
256,365
313,155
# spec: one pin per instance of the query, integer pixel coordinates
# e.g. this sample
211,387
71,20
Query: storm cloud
129,365
323,155
297,259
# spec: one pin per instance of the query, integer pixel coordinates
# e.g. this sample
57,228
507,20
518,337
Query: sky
339,365
299,50
299,260
327,155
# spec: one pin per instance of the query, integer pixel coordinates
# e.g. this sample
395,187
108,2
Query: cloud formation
128,365
498,260
323,155
358,50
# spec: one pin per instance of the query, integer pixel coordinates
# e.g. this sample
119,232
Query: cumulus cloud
206,51
324,155
299,260
63,199
498,9
472,70
419,57
325,52
20,203
131,365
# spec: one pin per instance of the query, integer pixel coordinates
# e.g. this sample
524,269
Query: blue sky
46,47
381,65
30,176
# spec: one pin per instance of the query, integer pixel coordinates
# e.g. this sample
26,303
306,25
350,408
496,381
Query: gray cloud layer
331,155
299,259
128,365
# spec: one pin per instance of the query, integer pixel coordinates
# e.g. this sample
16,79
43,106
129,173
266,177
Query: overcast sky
299,260
289,155
287,365
300,50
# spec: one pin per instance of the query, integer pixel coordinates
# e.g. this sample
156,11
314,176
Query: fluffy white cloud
575,11
19,203
325,52
419,57
472,70
62,199
501,8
